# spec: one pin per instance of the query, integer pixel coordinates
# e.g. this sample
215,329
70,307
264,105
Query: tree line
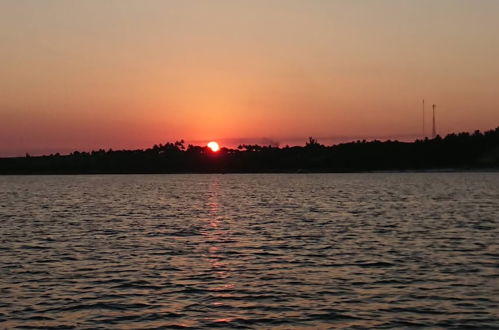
455,151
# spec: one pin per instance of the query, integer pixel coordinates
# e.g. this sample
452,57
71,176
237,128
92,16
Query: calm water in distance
250,251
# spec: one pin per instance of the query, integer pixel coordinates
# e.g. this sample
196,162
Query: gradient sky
128,74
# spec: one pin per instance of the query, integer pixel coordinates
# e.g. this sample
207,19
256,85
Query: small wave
34,247
374,264
105,305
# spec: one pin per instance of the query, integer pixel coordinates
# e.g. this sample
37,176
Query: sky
83,75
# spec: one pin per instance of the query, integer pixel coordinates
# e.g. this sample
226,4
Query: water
250,251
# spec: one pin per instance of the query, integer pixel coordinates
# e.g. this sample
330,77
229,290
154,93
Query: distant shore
461,152
428,171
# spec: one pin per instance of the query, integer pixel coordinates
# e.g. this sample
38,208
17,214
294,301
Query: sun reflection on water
216,232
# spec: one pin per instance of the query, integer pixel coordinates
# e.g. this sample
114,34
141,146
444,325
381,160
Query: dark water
250,251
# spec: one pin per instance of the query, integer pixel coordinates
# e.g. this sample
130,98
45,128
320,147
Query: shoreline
429,171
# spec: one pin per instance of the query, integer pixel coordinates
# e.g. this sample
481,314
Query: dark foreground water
250,251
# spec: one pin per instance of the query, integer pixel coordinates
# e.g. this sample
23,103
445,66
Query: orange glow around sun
213,146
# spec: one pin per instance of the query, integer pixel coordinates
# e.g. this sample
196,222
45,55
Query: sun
213,146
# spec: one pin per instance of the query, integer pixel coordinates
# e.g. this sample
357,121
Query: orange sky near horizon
129,74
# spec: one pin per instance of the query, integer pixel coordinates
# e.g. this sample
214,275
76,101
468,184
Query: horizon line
263,141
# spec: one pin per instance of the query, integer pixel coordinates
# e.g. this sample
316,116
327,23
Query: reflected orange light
213,146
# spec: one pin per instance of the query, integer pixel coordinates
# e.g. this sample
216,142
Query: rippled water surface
250,251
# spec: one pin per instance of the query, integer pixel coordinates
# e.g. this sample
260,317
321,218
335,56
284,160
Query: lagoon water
250,251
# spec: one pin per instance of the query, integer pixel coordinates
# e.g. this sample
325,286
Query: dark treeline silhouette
455,151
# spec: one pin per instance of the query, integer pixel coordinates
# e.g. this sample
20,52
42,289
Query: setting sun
213,146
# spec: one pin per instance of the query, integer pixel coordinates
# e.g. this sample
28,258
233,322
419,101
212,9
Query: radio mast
434,126
423,121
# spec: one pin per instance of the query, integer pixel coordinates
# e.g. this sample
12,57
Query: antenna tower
423,121
434,127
